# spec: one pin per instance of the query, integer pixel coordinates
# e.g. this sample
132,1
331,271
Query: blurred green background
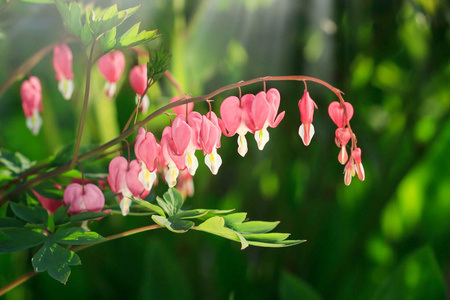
385,238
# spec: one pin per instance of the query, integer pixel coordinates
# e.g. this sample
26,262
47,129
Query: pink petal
62,62
181,109
181,135
231,114
138,79
261,110
336,113
111,65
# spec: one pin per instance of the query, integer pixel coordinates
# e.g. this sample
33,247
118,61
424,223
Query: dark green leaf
148,205
191,214
56,260
272,237
6,222
36,215
60,217
292,287
76,236
87,216
133,38
108,41
15,162
20,238
173,224
417,277
158,64
74,23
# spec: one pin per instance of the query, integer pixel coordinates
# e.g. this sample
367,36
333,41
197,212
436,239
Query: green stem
67,166
84,111
31,274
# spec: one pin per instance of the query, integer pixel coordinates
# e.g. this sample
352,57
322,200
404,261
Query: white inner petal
145,103
213,161
191,162
65,86
262,137
110,88
125,205
242,145
172,175
146,177
34,122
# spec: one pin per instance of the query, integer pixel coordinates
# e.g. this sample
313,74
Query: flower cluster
340,113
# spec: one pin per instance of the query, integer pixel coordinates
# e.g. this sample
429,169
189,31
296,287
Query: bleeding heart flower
147,152
306,106
264,112
343,136
88,198
111,66
356,154
185,184
51,205
210,140
139,81
174,162
31,95
336,112
62,63
181,109
237,118
349,171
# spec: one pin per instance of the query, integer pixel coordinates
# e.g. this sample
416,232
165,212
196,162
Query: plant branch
31,274
67,166
84,111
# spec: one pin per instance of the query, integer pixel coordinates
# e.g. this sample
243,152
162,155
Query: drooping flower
123,178
264,113
356,154
51,205
185,184
181,109
31,95
343,135
349,171
138,81
87,198
336,113
174,162
111,66
210,140
306,106
147,152
236,117
62,63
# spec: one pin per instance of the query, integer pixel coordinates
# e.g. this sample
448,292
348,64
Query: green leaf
273,237
235,218
56,260
108,41
158,64
254,227
74,22
191,214
87,216
36,215
133,38
216,225
171,202
19,239
86,34
148,205
292,287
110,18
417,277
173,224
63,9
15,162
60,217
6,222
76,236
135,210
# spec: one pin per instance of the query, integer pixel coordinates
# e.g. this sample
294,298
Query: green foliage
133,37
292,287
56,260
19,239
6,222
76,236
417,277
15,162
36,215
171,202
87,216
158,64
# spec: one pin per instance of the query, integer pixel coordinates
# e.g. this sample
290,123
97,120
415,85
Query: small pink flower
111,66
336,112
147,152
264,113
181,109
306,106
349,171
343,136
51,205
31,94
62,63
174,162
237,118
356,154
139,81
181,135
83,199
210,140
